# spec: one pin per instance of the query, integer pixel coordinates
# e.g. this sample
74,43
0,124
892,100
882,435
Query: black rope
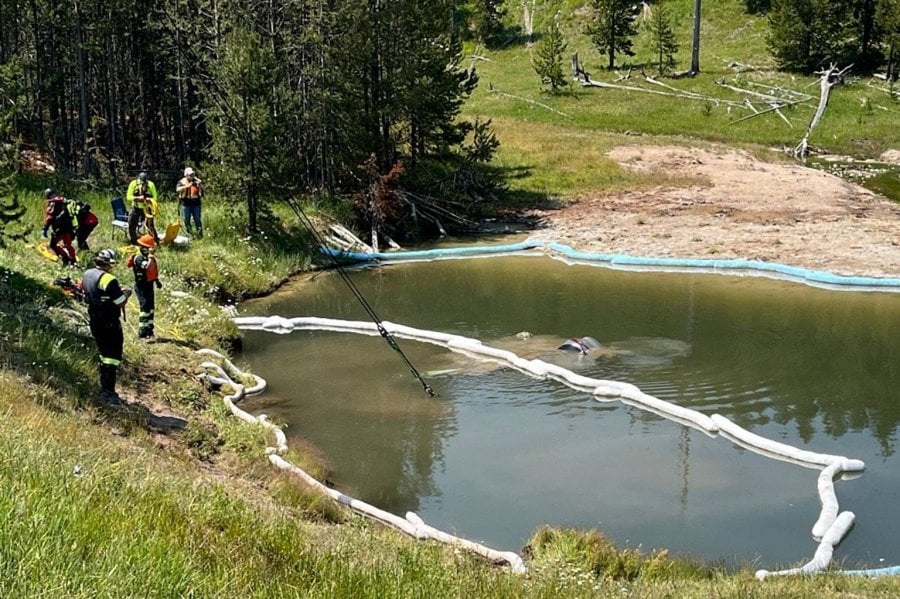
385,334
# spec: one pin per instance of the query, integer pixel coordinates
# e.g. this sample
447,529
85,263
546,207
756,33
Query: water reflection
498,453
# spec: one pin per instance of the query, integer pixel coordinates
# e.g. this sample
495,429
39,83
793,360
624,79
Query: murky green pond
497,453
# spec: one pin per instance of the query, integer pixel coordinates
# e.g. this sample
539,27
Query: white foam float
830,527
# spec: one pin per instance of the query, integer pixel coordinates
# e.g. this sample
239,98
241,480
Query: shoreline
744,209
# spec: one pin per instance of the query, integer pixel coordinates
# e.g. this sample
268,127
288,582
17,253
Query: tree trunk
695,47
612,42
828,79
82,93
111,98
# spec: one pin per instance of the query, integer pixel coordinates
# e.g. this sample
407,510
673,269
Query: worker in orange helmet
146,280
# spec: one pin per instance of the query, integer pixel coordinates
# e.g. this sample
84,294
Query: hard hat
188,172
142,177
147,241
106,257
49,193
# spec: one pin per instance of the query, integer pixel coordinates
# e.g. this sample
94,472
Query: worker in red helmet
146,280
58,221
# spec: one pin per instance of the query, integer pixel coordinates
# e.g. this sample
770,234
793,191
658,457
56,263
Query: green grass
539,144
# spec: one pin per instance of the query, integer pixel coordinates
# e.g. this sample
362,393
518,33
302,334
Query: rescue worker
190,192
144,201
146,279
85,222
58,219
106,302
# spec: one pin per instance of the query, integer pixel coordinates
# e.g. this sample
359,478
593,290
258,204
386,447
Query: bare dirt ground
741,208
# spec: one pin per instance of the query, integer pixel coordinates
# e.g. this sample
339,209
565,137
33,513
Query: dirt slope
744,208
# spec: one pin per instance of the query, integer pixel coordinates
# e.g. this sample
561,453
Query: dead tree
827,79
528,18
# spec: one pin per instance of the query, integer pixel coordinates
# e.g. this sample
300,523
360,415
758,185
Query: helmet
142,177
147,241
188,172
105,257
49,193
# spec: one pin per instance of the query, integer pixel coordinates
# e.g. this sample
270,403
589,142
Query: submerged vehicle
580,344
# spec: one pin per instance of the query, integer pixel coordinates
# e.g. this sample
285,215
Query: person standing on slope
190,192
106,301
144,201
146,281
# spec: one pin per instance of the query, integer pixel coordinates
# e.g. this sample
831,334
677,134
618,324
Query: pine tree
888,19
805,35
486,18
244,121
612,24
756,7
664,43
12,226
548,62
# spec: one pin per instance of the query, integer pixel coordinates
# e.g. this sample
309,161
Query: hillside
556,144
681,167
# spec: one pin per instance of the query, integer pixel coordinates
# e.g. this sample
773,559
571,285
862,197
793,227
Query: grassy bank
554,144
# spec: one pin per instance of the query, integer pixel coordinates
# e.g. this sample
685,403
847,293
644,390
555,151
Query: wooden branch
586,81
620,77
651,79
828,78
786,92
534,102
762,112
349,238
887,90
768,98
781,114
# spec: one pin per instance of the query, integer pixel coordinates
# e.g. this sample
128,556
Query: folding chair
120,215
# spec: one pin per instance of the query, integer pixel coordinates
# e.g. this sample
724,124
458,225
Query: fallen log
532,102
586,81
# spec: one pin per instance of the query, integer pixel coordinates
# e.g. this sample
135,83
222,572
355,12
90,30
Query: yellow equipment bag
172,232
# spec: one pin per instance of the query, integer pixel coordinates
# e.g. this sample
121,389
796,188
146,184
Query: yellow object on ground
46,252
172,232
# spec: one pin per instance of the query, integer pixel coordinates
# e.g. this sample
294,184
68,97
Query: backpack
83,214
61,218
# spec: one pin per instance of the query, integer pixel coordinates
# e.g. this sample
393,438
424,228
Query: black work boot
108,393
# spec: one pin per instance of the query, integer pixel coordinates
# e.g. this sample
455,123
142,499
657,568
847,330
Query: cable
385,334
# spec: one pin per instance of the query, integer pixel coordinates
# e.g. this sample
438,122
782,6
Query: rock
891,156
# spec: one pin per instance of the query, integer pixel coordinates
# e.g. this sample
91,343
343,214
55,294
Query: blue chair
120,214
